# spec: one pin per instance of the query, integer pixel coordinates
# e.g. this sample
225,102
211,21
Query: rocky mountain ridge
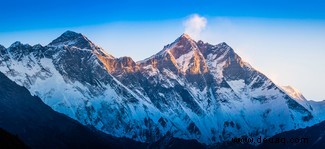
192,90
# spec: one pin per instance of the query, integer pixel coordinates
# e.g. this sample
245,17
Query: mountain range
189,90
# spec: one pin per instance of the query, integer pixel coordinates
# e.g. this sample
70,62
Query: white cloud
194,25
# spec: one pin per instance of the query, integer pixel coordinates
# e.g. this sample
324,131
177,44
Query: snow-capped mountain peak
18,46
297,96
16,43
185,36
182,45
70,38
293,92
183,54
77,41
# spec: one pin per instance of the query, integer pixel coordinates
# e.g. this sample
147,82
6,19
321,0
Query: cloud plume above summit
194,25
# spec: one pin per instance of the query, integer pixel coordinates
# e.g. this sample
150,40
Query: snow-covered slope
192,90
295,94
318,109
38,126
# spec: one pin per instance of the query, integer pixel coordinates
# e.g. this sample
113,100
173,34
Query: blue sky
40,14
283,39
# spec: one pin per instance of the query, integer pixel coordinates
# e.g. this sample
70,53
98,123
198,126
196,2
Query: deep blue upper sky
17,15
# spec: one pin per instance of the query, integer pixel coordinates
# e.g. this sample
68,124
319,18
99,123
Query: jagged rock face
192,90
118,66
220,99
184,55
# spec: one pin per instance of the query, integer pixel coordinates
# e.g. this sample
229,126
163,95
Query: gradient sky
285,40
